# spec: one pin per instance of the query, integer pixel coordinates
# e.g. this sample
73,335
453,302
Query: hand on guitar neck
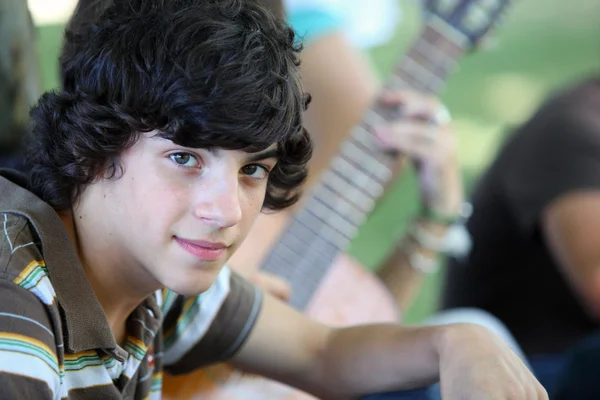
423,134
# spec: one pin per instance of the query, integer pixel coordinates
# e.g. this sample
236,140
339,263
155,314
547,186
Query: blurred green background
542,45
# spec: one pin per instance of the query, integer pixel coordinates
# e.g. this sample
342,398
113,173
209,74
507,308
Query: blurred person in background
338,73
19,77
535,256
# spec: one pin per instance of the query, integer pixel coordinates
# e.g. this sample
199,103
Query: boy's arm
28,357
349,362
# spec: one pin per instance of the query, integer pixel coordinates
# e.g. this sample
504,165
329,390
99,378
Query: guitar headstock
471,18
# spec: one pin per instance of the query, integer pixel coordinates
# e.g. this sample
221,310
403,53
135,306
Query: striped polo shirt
55,340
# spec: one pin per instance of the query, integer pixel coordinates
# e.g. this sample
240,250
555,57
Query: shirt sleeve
29,367
313,23
558,154
212,326
364,23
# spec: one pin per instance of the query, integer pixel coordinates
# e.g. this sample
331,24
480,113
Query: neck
118,290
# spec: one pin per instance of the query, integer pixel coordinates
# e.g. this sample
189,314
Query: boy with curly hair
177,123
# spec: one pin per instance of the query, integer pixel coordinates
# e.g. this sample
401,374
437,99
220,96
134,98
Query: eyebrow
264,155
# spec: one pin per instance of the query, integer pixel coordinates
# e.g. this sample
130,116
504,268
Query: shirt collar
87,325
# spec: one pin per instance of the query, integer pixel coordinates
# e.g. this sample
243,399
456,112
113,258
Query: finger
282,292
419,151
542,393
406,137
403,136
274,285
413,104
534,389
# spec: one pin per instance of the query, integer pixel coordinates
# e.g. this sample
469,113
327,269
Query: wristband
427,240
431,215
418,261
424,264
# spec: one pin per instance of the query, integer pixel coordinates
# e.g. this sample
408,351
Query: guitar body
348,295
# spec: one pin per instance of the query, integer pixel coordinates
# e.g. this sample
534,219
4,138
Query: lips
203,243
204,250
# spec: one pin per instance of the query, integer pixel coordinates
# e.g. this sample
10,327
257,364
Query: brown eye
184,159
255,171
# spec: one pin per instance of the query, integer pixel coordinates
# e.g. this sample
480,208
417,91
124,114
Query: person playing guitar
343,86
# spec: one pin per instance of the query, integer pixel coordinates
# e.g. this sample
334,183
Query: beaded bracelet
418,261
431,215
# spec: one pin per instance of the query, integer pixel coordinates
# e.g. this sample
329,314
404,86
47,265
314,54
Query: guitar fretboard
348,190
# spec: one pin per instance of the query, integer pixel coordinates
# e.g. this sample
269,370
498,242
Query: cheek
252,206
152,202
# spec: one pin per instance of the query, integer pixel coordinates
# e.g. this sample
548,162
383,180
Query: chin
187,290
190,286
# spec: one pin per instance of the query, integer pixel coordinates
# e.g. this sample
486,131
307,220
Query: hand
475,364
423,134
274,285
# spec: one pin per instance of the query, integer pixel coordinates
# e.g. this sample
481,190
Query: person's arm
425,136
570,225
342,85
344,363
413,258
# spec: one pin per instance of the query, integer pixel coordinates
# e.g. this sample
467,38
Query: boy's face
177,214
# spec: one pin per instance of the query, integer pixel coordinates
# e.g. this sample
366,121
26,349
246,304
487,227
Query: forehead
157,140
269,152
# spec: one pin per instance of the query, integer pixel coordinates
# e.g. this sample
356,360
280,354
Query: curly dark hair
202,73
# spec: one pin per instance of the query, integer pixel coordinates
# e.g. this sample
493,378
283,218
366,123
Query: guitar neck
348,190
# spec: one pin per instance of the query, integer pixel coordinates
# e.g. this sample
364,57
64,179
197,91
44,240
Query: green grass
542,45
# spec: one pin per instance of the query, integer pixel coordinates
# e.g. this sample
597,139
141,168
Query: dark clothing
579,379
510,271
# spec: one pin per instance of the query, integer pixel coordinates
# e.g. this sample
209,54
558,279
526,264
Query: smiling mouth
204,250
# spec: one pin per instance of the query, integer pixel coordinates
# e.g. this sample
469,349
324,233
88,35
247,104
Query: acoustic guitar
307,249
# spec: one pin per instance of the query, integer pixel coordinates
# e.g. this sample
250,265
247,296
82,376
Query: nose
219,202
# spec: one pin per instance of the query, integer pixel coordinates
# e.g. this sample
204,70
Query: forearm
400,277
342,86
568,225
379,358
408,263
347,363
338,363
